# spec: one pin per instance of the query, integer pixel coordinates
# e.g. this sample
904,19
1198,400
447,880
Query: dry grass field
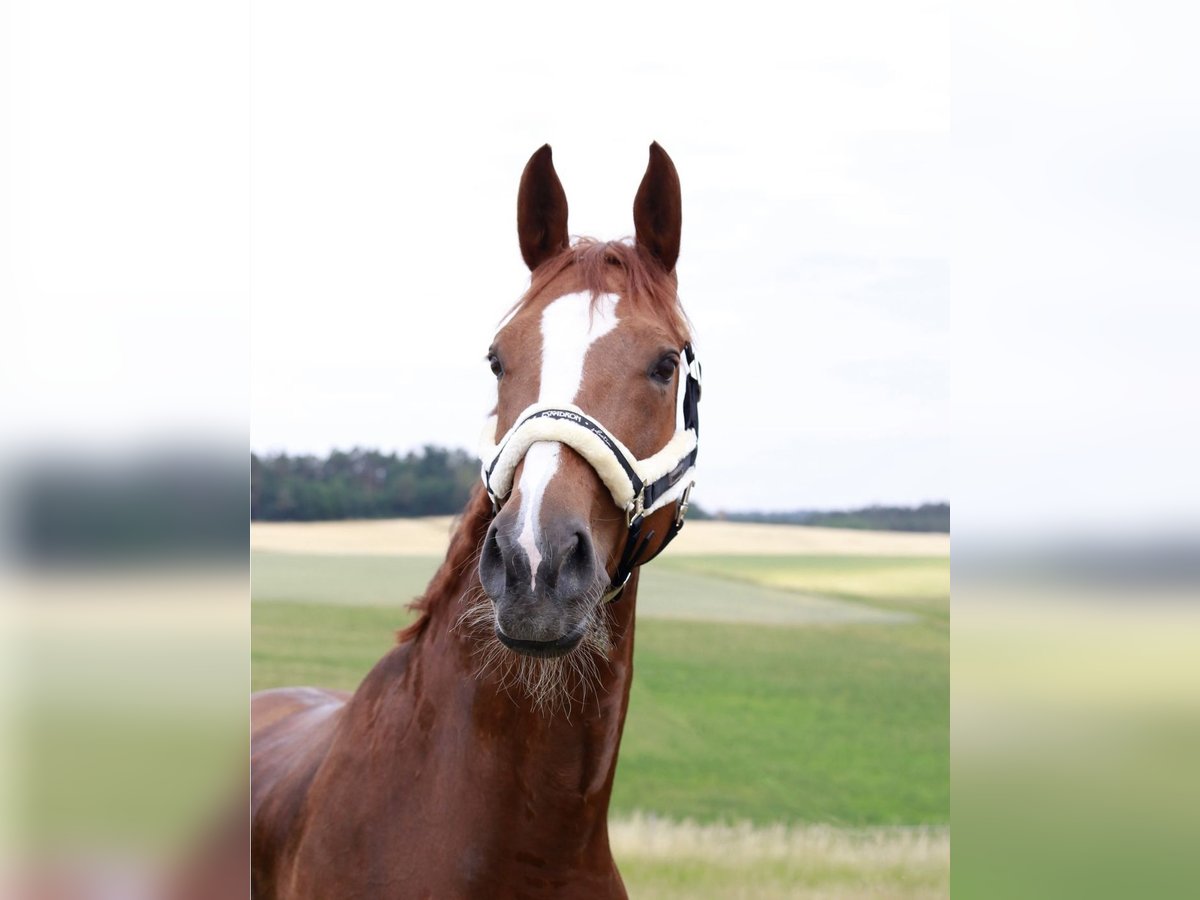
429,537
359,537
665,860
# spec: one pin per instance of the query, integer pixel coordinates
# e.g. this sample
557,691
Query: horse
476,759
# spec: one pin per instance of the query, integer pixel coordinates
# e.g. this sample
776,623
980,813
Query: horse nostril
581,559
491,565
573,565
503,565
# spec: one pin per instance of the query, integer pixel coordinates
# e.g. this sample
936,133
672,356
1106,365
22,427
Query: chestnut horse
476,758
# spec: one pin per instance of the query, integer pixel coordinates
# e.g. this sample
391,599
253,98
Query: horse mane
640,280
463,553
594,264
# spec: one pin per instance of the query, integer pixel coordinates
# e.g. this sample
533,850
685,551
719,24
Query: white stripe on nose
541,462
570,325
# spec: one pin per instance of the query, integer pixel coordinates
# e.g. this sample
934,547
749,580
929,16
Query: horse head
589,455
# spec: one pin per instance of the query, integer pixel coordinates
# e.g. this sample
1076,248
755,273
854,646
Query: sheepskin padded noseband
638,486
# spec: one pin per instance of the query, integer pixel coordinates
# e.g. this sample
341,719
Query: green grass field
909,583
781,692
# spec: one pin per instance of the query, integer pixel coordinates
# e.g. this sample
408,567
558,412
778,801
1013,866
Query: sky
387,149
1076,313
291,227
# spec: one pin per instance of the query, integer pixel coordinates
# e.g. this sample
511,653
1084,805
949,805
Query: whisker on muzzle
554,685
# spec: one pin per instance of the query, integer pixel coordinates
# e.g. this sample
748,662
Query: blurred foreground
125,672
666,860
1076,725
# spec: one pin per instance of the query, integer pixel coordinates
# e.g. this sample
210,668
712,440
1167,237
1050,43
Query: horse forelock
611,267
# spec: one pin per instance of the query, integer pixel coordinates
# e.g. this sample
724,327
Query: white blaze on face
570,325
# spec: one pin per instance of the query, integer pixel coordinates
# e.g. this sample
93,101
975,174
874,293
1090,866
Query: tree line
433,481
361,484
926,517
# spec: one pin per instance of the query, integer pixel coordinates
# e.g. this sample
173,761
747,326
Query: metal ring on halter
684,501
636,509
614,590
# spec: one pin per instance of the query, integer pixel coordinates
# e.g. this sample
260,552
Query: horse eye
494,362
665,368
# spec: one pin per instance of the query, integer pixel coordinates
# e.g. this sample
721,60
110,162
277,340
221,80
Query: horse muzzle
541,603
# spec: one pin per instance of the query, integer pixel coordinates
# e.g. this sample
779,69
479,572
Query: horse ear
541,210
658,209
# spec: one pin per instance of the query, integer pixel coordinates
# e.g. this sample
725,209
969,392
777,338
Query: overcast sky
381,151
387,148
342,216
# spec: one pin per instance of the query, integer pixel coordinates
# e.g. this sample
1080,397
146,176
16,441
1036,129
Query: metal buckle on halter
636,509
683,505
615,592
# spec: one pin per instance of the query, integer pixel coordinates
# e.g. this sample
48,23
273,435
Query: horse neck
568,758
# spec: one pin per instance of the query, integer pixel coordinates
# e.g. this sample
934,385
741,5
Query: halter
638,486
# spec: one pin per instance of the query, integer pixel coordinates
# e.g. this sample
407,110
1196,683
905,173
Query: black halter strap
635,542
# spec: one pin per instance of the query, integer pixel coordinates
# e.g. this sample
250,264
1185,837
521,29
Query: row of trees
367,484
926,517
361,484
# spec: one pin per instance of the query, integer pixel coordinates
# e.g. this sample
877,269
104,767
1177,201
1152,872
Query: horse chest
439,811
